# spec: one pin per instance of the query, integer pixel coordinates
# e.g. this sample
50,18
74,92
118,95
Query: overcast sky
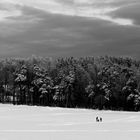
69,28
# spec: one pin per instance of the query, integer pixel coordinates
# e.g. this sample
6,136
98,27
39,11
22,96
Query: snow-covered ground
44,123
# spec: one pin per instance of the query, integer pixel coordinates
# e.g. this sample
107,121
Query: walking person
101,119
97,119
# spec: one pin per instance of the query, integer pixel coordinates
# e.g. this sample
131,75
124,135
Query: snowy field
44,123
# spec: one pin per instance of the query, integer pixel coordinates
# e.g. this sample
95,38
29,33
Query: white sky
99,9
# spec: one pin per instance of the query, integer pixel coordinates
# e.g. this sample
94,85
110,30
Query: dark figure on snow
97,119
101,119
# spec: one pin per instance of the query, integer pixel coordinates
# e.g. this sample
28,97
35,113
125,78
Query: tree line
99,83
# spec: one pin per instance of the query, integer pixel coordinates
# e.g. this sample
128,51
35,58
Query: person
101,119
97,119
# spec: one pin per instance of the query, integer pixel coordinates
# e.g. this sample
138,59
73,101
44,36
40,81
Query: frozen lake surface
45,123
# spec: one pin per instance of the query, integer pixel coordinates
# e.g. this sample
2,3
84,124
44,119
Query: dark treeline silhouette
88,82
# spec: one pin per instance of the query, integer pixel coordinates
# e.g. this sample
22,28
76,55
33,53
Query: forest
105,83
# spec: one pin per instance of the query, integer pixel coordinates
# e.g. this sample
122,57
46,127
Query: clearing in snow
46,123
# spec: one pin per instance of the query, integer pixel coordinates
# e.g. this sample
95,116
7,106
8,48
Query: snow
45,123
